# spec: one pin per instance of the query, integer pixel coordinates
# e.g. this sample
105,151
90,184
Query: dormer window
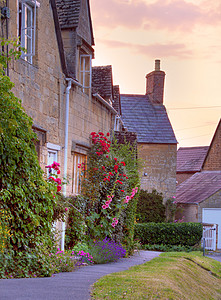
85,72
27,27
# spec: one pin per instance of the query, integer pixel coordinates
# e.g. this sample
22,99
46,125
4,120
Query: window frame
83,72
27,32
78,158
52,148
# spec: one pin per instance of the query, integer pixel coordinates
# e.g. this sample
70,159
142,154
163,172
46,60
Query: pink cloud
166,14
153,50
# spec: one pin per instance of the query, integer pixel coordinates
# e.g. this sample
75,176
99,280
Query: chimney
155,84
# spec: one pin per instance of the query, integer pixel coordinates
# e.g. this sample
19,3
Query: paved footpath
67,286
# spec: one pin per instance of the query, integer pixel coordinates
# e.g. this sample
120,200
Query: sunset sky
186,36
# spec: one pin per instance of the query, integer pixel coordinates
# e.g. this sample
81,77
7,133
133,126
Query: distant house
146,116
199,196
189,161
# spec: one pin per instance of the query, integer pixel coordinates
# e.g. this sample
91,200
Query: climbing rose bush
104,189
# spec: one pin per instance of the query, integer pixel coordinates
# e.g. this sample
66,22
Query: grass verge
172,275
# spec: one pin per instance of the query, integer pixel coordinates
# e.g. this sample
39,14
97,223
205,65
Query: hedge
187,234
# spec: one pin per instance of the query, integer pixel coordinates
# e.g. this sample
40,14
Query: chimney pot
157,65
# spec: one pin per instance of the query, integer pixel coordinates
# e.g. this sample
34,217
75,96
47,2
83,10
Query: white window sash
28,33
84,71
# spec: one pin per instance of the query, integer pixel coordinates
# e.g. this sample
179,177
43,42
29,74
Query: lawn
172,275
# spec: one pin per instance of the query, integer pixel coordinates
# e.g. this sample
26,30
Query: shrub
75,231
171,208
171,248
150,207
106,251
187,234
43,261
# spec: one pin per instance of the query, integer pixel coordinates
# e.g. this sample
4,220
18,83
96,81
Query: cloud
177,50
168,14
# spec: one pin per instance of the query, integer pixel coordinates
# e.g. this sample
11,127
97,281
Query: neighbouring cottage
189,161
53,78
146,116
199,196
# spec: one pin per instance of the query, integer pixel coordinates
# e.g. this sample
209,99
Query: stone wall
213,159
159,168
187,212
41,86
213,201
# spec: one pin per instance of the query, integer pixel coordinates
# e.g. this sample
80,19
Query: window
27,27
79,160
52,155
85,72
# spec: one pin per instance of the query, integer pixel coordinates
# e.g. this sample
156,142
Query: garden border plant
109,190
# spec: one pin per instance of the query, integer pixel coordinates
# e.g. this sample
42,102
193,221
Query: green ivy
24,194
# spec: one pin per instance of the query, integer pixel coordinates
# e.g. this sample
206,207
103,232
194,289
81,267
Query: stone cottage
53,78
146,116
199,196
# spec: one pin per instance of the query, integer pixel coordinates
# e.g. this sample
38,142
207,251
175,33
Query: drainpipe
65,154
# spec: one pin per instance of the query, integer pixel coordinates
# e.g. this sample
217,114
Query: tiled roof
199,187
68,12
190,159
102,81
149,121
116,100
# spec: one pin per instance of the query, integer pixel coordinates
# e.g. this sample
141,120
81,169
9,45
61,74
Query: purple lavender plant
106,251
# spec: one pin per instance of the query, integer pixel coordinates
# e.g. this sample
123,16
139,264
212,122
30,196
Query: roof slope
102,81
199,187
190,159
149,121
68,12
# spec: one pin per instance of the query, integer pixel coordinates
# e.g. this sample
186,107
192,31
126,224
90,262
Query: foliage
171,248
28,200
170,276
13,53
43,261
187,234
106,251
80,247
127,152
105,189
150,207
4,229
75,231
24,194
171,208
